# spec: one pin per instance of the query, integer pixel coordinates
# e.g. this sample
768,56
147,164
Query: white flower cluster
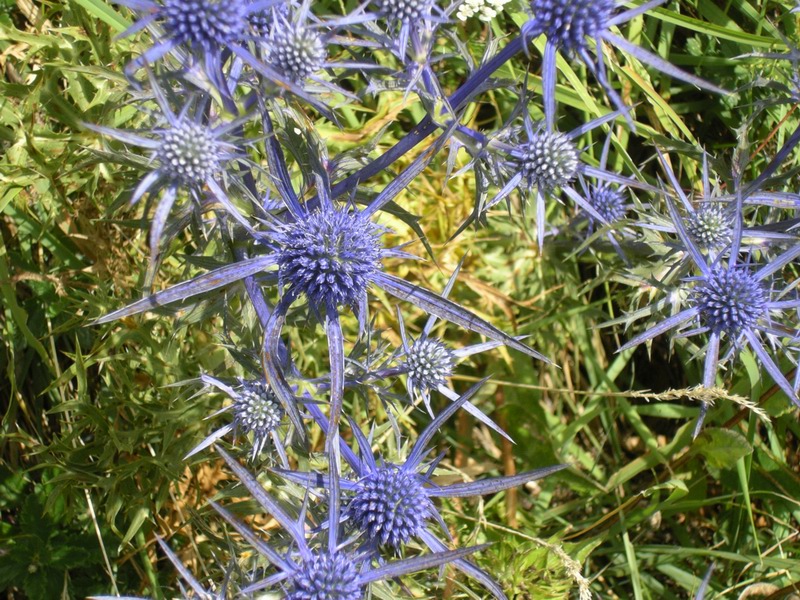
485,10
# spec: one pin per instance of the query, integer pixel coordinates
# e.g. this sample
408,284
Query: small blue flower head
609,201
257,414
730,301
330,256
404,10
390,505
256,410
428,364
568,23
295,49
189,153
326,576
710,225
548,160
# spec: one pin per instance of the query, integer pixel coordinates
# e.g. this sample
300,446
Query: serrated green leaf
721,448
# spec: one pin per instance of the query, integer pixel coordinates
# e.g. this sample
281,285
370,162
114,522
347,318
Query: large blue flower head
333,571
326,576
206,24
730,300
390,505
331,256
568,23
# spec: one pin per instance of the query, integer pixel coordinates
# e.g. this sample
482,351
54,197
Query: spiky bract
568,23
295,50
710,225
326,577
731,301
390,505
205,23
548,160
189,153
429,363
331,256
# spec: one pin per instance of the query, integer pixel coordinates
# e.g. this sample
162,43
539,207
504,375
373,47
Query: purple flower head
547,160
428,363
295,49
608,201
390,505
257,415
711,225
205,24
729,301
190,151
326,575
578,28
568,23
329,256
404,10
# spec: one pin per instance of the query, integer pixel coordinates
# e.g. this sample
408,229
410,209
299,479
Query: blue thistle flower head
295,49
608,201
548,160
328,576
404,10
428,363
568,23
189,153
257,413
262,21
390,504
568,26
710,225
730,300
205,23
331,256
256,410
